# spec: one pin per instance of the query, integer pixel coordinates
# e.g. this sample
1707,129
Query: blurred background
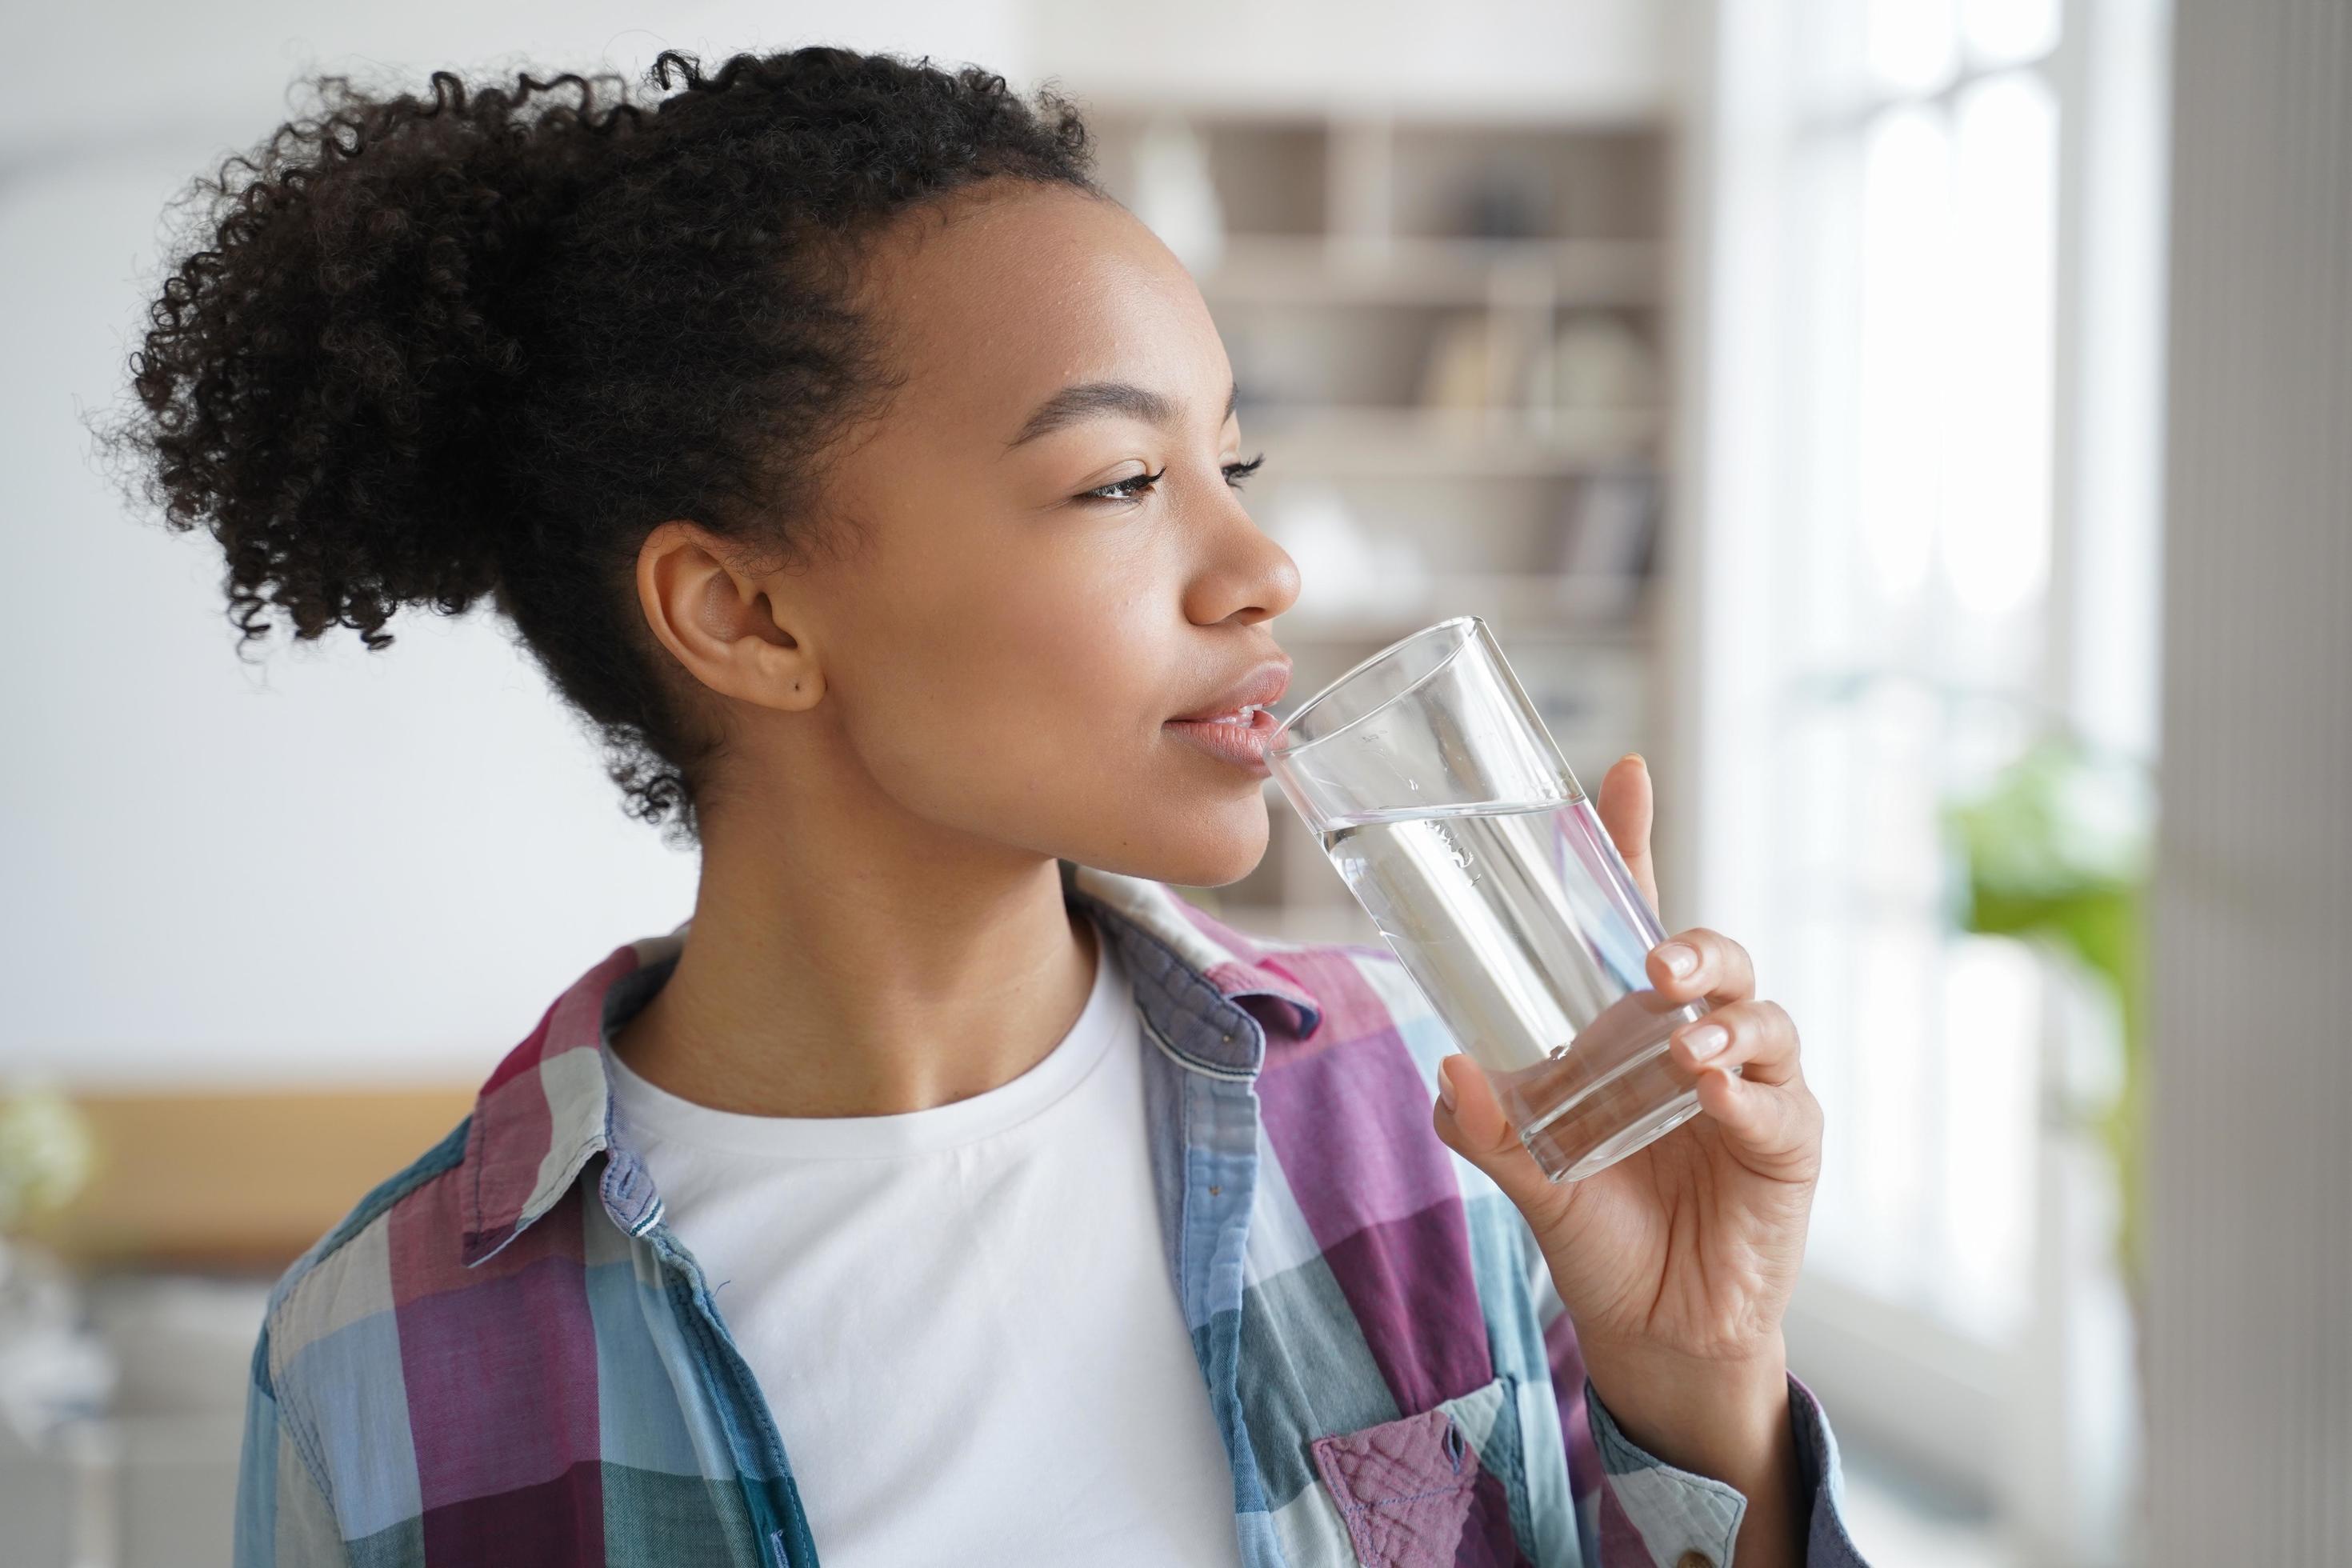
1917,426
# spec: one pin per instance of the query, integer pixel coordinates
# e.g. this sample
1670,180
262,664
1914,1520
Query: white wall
2250,1368
1604,59
329,863
120,69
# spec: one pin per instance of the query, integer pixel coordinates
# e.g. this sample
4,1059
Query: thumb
1626,806
1469,1120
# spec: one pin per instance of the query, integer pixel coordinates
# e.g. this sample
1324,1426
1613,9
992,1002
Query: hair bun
327,370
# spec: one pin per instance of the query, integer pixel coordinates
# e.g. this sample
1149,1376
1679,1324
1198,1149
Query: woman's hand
1676,1262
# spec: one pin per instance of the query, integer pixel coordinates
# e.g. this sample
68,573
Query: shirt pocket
1444,1487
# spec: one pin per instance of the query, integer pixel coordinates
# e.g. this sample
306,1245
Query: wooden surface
239,1180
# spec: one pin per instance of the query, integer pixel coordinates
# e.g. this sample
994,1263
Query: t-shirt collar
545,1110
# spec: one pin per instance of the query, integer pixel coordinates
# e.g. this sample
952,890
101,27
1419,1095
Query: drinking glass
1431,782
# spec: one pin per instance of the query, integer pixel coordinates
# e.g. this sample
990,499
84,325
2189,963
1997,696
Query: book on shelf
1609,535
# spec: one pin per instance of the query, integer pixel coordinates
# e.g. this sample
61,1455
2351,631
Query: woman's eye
1135,484
1122,489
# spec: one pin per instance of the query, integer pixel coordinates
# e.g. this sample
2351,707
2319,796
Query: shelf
1390,441
1562,607
1316,269
1425,390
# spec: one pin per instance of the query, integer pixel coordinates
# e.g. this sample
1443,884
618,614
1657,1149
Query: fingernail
1681,958
1641,759
1705,1040
1445,1084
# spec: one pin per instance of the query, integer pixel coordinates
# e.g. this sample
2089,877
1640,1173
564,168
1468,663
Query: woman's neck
861,973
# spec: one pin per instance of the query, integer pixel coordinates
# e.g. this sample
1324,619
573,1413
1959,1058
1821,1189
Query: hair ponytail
419,349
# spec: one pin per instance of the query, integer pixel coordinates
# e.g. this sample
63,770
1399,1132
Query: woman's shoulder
331,1336
346,1286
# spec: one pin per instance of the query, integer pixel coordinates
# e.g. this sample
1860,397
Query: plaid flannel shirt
503,1356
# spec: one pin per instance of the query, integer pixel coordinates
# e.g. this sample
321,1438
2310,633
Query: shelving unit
1449,334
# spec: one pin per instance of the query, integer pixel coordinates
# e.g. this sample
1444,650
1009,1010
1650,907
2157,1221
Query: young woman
948,1188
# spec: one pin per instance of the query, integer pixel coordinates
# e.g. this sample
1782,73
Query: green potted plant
2054,851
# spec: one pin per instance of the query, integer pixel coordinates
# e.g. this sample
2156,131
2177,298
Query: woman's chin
1208,849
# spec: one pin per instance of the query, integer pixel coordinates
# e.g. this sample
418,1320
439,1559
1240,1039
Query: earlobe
760,660
779,664
805,690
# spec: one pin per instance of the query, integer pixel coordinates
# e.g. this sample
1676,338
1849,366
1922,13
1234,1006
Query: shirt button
1694,1560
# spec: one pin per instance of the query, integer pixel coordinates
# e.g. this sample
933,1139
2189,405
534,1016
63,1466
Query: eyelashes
1141,484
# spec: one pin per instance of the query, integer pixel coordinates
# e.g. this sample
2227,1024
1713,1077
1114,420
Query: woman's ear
723,624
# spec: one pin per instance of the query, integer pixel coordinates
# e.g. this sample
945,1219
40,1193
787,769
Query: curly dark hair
419,348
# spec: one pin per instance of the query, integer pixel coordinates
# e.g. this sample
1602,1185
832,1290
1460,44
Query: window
1917,568
1924,372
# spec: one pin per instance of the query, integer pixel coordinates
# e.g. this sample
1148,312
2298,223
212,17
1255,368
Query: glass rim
1463,627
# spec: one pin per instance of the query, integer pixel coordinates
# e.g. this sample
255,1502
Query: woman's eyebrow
1092,399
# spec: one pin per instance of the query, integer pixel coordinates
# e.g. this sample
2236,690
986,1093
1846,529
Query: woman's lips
1244,745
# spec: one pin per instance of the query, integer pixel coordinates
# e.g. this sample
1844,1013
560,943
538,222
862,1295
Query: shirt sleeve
1635,1510
283,1517
1664,1518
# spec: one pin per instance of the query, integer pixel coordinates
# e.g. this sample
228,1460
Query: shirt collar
546,1109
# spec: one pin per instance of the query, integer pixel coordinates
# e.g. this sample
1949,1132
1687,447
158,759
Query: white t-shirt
961,1317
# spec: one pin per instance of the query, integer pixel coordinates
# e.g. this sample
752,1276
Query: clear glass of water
1431,782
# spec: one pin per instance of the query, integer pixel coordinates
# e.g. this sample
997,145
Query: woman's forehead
1007,301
